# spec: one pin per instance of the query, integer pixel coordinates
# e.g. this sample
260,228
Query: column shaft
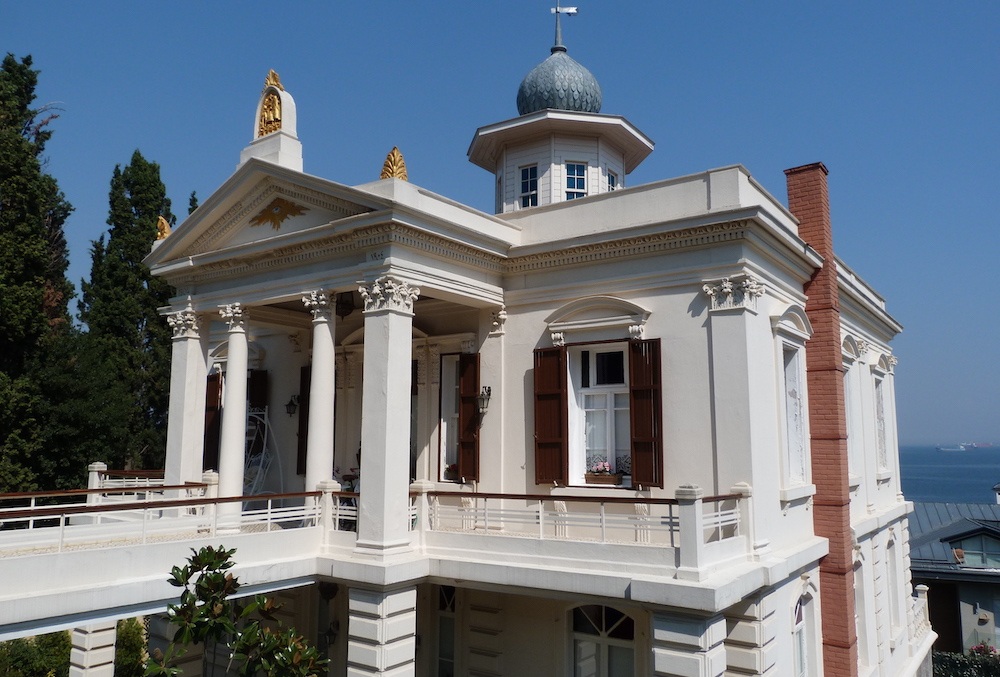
93,652
319,450
186,423
232,444
382,632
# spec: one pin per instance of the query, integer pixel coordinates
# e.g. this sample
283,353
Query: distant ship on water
965,446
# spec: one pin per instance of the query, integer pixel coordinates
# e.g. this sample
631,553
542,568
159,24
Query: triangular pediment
261,203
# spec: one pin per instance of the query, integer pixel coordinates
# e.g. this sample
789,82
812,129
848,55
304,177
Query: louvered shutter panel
468,417
646,412
213,422
551,416
257,388
305,376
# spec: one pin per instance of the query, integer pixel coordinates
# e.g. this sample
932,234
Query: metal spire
557,10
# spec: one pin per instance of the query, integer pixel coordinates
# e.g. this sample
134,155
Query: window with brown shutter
305,375
554,398
468,417
646,413
213,422
551,416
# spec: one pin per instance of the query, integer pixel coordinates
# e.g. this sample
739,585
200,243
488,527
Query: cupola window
576,180
529,186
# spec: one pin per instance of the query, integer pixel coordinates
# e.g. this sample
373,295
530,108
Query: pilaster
688,646
382,632
186,423
385,415
93,652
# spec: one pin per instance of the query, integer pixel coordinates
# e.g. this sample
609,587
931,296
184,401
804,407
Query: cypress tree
34,291
125,331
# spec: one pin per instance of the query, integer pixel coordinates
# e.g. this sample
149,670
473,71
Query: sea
929,475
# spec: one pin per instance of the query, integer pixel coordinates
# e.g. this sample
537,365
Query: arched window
800,640
603,642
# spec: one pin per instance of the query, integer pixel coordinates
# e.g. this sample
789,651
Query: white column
93,652
232,443
319,450
385,414
688,646
186,422
382,632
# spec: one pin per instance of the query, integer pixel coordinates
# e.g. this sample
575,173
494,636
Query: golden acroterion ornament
276,212
162,228
270,107
394,166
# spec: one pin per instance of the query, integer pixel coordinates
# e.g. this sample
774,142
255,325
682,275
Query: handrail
578,499
109,490
55,510
152,474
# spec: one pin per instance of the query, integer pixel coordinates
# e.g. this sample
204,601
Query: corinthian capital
184,323
390,293
318,303
234,314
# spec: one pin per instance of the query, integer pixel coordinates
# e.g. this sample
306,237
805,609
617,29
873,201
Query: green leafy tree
130,648
34,290
259,644
126,336
41,656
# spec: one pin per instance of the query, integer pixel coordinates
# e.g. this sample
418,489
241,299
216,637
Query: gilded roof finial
272,80
162,228
394,166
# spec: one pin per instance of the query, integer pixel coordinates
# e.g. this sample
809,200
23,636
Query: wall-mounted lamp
344,305
292,405
483,399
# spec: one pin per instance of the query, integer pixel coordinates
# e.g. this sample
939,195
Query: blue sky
901,101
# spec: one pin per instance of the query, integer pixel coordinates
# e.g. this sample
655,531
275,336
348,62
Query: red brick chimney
809,201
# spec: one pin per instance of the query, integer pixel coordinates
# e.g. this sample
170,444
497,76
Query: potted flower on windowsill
600,473
451,472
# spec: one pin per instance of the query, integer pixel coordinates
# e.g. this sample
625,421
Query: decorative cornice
634,246
318,303
359,240
184,324
736,292
235,315
388,293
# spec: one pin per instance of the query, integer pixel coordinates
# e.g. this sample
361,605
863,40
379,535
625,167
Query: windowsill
883,476
797,493
853,481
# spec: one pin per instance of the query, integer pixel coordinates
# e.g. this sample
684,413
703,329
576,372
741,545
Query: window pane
446,637
587,619
623,627
623,437
610,368
620,662
597,428
585,368
586,658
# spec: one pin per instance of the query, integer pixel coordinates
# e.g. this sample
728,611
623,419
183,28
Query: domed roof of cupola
559,82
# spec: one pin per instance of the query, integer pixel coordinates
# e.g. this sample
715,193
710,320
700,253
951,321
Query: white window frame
852,412
579,463
791,331
613,183
800,639
528,187
449,418
603,644
444,615
579,187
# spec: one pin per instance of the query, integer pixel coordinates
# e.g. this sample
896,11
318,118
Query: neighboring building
608,430
955,552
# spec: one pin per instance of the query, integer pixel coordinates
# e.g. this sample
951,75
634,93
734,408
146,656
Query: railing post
211,481
95,480
691,515
326,516
422,488
745,507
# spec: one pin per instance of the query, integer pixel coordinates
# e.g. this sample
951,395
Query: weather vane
557,10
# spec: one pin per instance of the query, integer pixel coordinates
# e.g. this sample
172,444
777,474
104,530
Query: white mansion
608,430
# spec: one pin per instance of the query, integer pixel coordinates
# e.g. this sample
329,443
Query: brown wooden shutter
305,376
213,422
551,416
468,416
257,388
646,412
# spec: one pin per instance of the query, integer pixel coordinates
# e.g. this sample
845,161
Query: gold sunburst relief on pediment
276,212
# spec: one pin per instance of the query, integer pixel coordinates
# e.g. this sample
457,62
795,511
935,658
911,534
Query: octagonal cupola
560,147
